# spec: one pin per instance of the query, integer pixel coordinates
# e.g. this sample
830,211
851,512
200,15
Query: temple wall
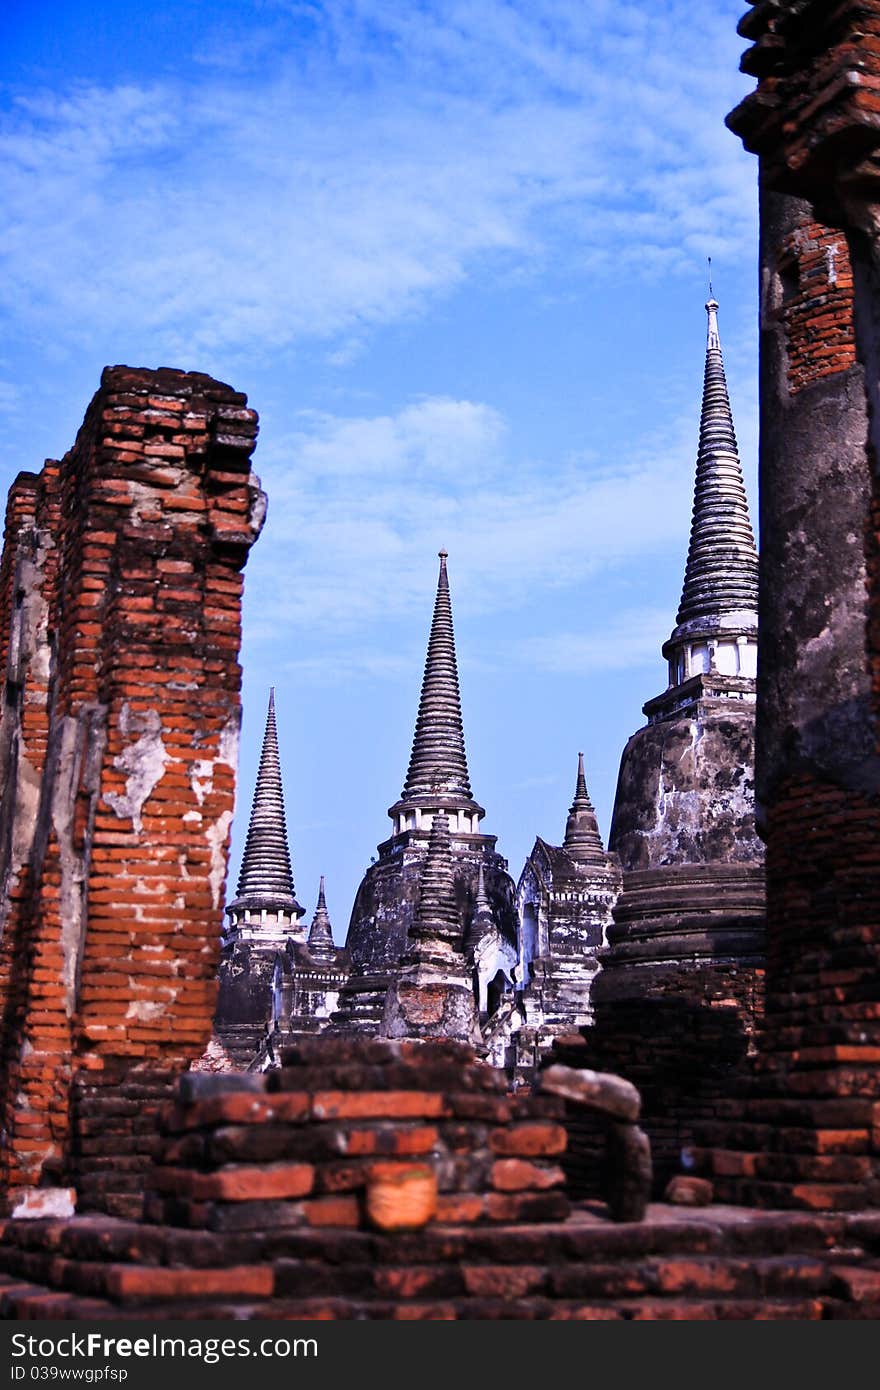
120,613
685,792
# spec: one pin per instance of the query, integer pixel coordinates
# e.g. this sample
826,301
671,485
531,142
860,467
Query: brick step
717,1231
529,1309
837,1168
801,1196
720,1265
21,1299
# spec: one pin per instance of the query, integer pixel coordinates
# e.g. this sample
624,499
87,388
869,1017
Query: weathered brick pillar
808,1135
121,606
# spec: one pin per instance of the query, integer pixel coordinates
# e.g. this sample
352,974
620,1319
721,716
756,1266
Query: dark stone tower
675,1003
264,917
808,1136
437,784
565,897
431,995
275,982
312,975
684,818
265,906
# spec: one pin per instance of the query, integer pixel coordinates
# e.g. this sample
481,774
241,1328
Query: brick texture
257,1210
804,1134
120,602
814,297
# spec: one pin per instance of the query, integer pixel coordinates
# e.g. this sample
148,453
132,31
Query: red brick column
113,943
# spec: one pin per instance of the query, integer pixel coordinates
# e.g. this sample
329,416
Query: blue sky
455,253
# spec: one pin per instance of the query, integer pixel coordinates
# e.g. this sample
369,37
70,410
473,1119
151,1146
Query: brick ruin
270,1194
372,1179
805,1134
120,618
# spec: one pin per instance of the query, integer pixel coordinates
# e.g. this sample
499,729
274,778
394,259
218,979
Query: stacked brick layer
261,1209
120,587
301,1146
815,298
807,1132
814,115
719,1264
685,1039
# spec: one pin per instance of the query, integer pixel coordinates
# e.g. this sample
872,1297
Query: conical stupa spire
321,944
437,914
483,920
722,565
438,765
481,901
582,839
265,867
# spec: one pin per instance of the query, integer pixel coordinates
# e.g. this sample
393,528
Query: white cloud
432,437
360,506
354,167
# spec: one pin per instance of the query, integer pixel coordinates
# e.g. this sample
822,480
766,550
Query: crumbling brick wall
120,609
810,289
267,1202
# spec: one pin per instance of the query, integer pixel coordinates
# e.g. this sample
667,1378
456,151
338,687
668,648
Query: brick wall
263,1205
814,298
302,1146
120,586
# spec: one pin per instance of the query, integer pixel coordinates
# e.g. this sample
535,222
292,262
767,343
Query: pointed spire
321,944
437,917
483,920
582,839
265,866
481,902
722,564
438,765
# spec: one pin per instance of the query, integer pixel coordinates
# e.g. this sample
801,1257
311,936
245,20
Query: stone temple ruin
652,948
385,1169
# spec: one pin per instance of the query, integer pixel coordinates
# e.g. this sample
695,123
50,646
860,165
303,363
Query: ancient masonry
565,897
656,947
120,593
378,1178
373,1179
415,896
276,979
806,1134
676,1002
